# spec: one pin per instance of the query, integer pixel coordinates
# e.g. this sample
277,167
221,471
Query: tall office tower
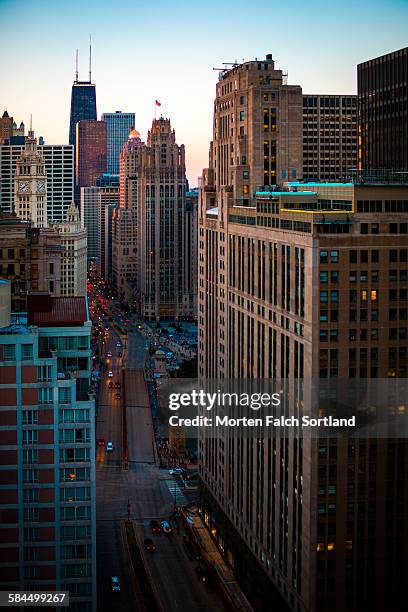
47,449
257,129
74,254
118,127
90,197
83,103
6,127
59,170
149,225
107,202
30,185
90,152
30,258
306,282
329,137
190,248
383,108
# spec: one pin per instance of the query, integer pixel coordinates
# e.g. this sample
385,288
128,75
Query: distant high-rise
90,197
6,127
74,253
329,136
83,101
148,257
90,152
383,108
30,185
59,169
118,126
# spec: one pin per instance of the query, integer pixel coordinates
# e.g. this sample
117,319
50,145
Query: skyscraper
329,137
304,282
383,108
59,170
74,253
47,449
90,152
83,101
118,126
148,227
30,192
90,198
6,127
108,201
257,129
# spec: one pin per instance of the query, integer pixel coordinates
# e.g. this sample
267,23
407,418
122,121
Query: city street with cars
131,486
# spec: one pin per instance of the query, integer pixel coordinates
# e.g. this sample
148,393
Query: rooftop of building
18,324
44,310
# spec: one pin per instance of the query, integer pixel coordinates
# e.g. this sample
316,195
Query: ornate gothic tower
30,185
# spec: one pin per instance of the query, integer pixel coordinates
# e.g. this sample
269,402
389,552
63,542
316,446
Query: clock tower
30,185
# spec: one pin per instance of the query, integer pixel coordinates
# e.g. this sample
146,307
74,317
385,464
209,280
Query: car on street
154,526
110,374
166,527
119,353
176,470
109,447
111,385
149,545
109,354
117,385
115,584
101,442
118,345
117,395
191,485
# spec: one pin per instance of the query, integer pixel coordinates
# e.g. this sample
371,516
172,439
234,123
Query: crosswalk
176,492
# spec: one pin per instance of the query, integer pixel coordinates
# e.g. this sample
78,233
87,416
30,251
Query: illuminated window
349,544
330,546
319,547
373,295
364,296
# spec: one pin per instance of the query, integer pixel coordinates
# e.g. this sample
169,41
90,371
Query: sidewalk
215,563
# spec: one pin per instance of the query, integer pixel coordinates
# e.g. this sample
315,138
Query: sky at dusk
167,50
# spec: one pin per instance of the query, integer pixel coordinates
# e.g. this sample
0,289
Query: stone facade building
148,252
303,282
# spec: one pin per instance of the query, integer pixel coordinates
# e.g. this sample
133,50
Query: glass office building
83,105
118,126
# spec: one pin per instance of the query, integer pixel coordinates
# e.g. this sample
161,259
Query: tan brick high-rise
305,281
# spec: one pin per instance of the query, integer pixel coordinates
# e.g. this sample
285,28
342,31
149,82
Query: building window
51,267
26,352
9,352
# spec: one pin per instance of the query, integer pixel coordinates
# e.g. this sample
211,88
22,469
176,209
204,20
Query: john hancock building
300,281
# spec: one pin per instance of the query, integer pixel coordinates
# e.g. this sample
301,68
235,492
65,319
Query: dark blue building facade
83,105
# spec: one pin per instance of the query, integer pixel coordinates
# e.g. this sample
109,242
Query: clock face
23,187
41,186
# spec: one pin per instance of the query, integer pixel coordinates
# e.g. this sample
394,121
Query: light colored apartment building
59,170
74,253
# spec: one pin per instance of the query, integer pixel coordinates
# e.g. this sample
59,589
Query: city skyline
181,80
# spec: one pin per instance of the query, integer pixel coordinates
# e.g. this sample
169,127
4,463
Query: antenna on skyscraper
76,66
90,58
